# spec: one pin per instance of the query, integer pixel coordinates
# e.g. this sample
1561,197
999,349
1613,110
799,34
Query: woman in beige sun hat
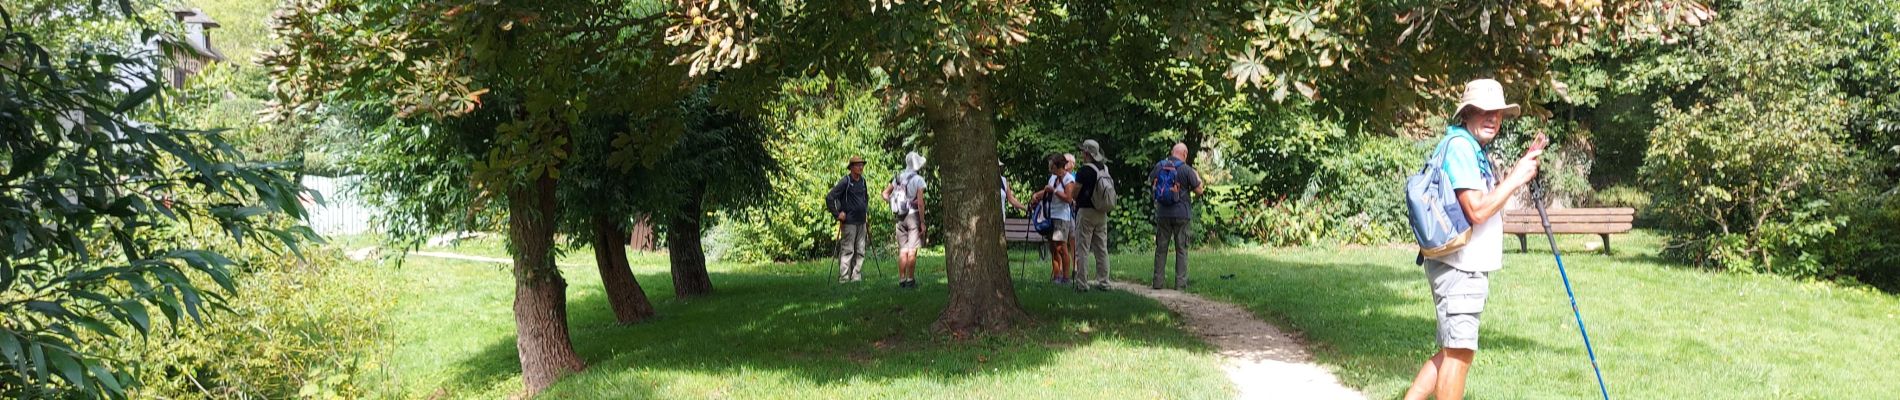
1460,281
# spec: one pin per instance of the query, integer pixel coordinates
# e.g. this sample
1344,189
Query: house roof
194,16
203,48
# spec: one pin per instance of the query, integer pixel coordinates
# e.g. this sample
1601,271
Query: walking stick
1537,199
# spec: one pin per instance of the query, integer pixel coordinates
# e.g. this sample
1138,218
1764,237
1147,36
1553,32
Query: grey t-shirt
1188,178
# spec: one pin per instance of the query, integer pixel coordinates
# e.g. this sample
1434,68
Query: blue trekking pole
1537,198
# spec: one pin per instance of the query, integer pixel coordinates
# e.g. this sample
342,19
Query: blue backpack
1438,220
1039,218
1167,190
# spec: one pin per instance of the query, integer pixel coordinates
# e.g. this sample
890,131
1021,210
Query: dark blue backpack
1167,189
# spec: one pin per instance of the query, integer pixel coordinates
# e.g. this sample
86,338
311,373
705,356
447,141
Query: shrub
1353,196
822,123
1743,182
1864,248
298,329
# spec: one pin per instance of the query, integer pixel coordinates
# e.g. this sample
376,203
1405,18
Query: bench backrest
1020,230
1572,220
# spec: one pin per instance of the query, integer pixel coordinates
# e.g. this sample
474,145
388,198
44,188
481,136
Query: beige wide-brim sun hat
1484,94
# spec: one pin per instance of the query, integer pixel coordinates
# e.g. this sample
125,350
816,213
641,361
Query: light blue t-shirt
1468,168
1465,162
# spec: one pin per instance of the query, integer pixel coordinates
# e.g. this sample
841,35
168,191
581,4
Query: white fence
342,211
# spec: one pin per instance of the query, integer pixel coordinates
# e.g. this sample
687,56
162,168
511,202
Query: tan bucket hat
1093,150
1485,94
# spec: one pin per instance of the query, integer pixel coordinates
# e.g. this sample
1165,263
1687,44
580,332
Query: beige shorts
1459,297
909,232
1065,230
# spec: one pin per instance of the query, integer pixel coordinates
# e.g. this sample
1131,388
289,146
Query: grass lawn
786,331
1660,331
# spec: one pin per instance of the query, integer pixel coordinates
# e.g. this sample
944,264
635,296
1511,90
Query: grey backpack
1104,195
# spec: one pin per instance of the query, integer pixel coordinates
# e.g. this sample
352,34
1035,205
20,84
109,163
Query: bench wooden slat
1561,219
1598,221
1573,211
1020,230
1604,228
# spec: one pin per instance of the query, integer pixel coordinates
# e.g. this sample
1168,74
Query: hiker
1460,280
906,196
1009,196
1091,218
1058,199
1175,184
848,201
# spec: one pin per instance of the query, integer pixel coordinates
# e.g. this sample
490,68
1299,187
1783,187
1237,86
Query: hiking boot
1101,287
1081,287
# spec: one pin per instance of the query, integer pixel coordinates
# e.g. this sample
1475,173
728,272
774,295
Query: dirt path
1263,361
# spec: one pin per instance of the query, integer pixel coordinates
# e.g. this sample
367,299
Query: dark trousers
1171,230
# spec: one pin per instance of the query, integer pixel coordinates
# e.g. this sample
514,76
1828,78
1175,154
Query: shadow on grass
1353,314
794,319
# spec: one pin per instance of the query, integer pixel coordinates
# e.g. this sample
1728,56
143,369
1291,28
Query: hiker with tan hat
1460,280
1094,198
848,202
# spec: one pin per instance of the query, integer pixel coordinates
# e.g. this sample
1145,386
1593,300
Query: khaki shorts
1459,297
909,232
1065,230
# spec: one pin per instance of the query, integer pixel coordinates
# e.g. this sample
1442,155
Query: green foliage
460,109
243,27
1351,197
308,328
819,124
99,190
1864,248
1745,173
1745,182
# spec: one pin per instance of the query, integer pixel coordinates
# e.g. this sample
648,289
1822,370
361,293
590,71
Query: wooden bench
1599,221
1019,230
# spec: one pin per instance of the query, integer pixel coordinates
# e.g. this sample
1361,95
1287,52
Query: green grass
786,331
1660,331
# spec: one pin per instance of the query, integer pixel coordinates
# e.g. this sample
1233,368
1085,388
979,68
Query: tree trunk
982,297
683,250
1193,141
540,293
624,295
642,239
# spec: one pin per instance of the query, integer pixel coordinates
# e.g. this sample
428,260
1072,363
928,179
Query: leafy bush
822,122
1353,196
300,329
98,184
1864,247
1743,173
1743,182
